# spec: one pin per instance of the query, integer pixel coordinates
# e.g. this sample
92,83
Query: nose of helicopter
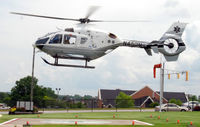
40,43
38,46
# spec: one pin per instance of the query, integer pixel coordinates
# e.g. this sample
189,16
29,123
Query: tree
77,97
87,97
124,101
193,98
3,95
21,92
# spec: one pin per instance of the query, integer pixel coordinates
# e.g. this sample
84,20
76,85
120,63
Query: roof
112,94
174,95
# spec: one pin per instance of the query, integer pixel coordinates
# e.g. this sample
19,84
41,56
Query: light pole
32,82
162,72
162,76
58,90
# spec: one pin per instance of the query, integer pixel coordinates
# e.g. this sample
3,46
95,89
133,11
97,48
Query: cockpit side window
69,39
56,40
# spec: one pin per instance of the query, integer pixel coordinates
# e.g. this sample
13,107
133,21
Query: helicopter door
57,39
69,39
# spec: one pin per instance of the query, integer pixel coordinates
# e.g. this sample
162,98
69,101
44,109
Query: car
191,104
171,107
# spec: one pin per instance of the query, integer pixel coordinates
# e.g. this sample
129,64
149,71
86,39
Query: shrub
35,109
178,102
172,101
154,104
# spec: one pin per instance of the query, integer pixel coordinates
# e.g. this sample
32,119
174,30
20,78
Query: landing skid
67,65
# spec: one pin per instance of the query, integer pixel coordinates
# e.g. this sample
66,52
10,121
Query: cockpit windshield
42,41
57,39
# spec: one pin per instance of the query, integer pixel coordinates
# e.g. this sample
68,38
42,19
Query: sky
124,68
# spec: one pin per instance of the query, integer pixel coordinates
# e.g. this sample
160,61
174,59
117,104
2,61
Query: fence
94,104
108,104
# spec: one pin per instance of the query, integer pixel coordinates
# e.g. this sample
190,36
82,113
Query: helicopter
84,43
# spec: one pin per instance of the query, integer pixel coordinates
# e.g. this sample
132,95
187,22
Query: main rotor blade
91,11
42,16
120,21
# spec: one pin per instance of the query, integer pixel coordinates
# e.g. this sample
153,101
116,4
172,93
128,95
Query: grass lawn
184,117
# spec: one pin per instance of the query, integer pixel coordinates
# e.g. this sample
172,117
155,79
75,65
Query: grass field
184,117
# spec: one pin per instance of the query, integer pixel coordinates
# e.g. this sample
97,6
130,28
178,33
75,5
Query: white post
162,71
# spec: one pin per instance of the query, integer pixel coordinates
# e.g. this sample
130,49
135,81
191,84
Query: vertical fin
176,29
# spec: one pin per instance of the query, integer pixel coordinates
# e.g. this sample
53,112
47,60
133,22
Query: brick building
142,98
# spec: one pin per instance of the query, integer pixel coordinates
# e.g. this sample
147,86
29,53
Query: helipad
35,121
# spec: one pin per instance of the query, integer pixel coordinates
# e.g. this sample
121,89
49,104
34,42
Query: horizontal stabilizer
148,51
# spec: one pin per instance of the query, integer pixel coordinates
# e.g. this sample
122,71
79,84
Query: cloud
171,3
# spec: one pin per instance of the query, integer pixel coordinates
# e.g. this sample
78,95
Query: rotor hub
84,20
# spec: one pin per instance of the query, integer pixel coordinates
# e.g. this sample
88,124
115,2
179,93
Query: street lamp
58,90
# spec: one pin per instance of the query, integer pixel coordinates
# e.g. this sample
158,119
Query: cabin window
83,40
69,39
42,41
56,40
111,35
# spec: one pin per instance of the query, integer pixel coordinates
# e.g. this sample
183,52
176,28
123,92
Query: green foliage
21,92
3,95
35,109
154,104
172,101
87,97
178,102
124,101
7,100
77,97
192,98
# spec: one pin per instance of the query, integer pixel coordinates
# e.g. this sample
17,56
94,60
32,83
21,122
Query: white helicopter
84,43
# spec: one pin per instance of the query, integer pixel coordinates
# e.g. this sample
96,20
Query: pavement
19,122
